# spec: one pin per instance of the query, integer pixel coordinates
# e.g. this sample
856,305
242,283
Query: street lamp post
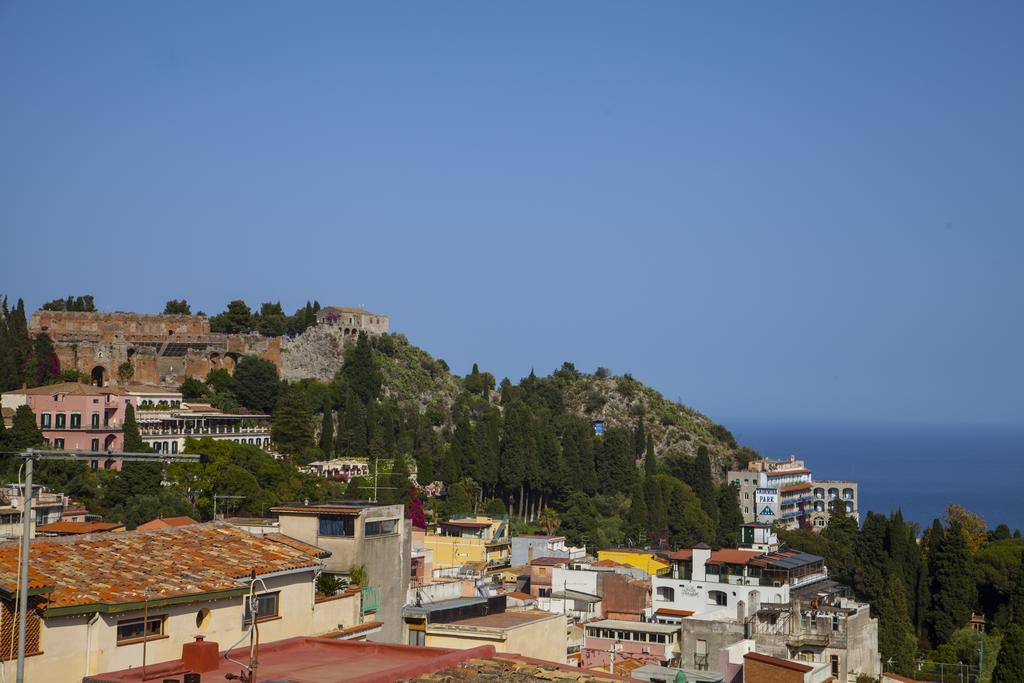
30,456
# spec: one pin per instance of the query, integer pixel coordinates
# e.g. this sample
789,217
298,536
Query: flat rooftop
502,620
317,660
623,625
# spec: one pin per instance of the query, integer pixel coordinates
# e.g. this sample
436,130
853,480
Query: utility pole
30,456
216,498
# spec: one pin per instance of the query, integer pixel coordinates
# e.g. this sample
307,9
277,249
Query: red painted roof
731,556
318,660
504,619
781,663
674,612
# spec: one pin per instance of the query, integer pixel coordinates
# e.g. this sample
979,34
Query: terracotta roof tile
166,522
72,528
775,661
165,563
298,545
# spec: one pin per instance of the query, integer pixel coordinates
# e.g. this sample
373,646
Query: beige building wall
70,643
545,639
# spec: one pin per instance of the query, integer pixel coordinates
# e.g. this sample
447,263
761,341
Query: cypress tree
327,431
3,432
840,536
291,425
133,442
896,639
873,560
650,461
637,520
352,440
953,589
703,484
639,438
587,467
657,510
730,517
1010,663
361,372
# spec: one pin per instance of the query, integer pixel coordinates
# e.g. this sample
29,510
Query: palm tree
549,520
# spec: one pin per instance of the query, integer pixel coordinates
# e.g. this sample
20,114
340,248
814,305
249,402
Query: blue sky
808,210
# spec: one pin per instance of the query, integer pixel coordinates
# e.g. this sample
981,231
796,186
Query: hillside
413,377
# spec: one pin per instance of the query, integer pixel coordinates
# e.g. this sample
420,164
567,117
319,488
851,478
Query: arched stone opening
100,376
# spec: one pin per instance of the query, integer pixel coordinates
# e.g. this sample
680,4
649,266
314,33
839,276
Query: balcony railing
170,431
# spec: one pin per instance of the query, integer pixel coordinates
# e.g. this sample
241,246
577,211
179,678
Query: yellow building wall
651,564
453,551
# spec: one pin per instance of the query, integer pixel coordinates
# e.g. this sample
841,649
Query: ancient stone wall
162,349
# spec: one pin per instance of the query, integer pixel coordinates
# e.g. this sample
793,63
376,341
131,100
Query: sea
917,468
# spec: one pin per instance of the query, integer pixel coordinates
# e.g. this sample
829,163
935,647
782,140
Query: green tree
730,517
327,432
703,484
896,639
80,304
953,590
133,442
549,520
125,372
650,461
256,385
1017,600
361,372
580,520
840,536
352,439
24,433
1010,662
291,424
192,388
175,307
237,319
271,320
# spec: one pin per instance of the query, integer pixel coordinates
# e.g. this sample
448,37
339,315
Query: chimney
200,656
529,554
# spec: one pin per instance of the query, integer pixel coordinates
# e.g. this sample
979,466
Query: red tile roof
783,473
548,561
796,487
674,612
295,543
175,563
73,388
682,554
166,522
75,528
775,661
518,595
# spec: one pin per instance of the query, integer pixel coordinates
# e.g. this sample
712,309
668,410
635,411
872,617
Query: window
44,420
665,594
381,527
337,526
132,630
58,443
61,420
717,598
835,664
266,607
174,447
76,420
417,638
95,446
95,420
544,592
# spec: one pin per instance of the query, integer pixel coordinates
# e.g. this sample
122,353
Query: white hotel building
703,580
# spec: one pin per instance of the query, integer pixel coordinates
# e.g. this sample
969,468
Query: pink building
644,642
77,417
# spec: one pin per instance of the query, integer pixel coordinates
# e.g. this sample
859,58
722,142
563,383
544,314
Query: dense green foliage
270,320
924,592
24,360
81,304
175,307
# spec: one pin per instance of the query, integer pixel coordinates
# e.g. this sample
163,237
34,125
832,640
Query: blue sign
767,511
599,427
